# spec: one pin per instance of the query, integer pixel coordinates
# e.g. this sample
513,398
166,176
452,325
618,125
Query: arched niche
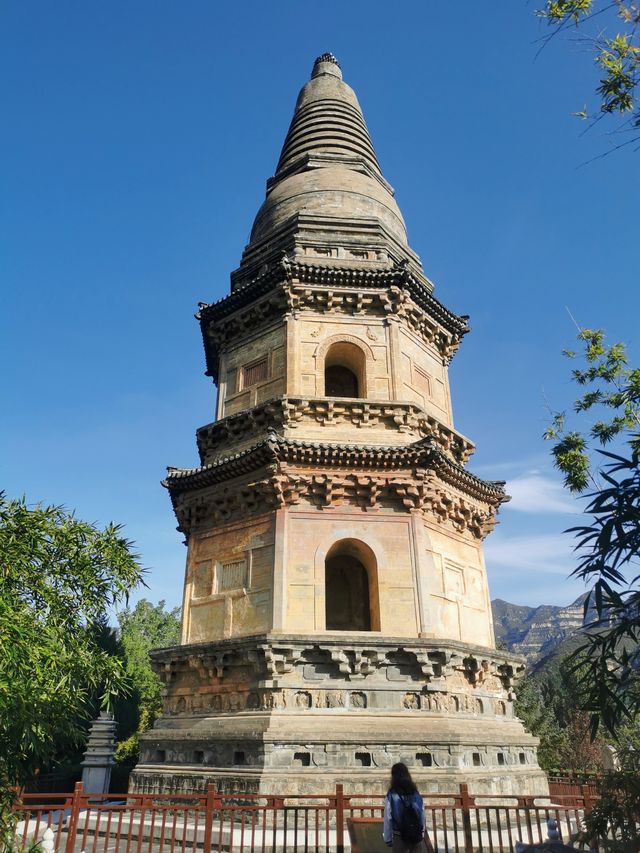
351,587
344,363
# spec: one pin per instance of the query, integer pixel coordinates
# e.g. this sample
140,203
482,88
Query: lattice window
256,372
232,575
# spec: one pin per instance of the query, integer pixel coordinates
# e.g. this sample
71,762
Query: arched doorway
351,594
339,381
344,371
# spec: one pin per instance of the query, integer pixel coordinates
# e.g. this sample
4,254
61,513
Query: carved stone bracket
210,666
296,412
290,286
419,491
357,662
425,663
280,659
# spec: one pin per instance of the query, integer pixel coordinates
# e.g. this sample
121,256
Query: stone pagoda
336,610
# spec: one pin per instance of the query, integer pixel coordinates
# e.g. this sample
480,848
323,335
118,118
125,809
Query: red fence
213,822
568,786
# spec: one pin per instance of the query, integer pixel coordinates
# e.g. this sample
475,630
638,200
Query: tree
615,817
614,36
608,544
146,627
59,576
548,702
540,719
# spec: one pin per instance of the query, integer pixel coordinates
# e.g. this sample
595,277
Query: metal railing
251,823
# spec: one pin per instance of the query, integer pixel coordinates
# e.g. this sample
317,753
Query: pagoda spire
328,187
328,122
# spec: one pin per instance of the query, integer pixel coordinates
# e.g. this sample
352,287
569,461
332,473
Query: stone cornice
294,412
290,286
272,656
280,472
422,454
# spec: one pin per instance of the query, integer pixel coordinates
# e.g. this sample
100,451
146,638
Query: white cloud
536,493
513,467
548,553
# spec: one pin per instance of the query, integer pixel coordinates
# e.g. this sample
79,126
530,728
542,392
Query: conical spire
327,120
328,197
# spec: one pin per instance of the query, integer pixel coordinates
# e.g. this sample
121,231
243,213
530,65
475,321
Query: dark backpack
410,821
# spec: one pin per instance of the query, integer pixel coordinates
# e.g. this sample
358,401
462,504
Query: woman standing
403,827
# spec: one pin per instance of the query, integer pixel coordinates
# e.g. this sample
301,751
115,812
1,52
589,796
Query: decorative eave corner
278,472
280,287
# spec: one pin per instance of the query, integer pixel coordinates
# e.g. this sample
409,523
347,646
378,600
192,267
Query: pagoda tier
336,610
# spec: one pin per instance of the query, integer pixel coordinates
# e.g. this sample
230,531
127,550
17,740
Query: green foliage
549,704
612,396
146,627
561,10
539,718
617,57
615,817
58,577
9,841
608,543
610,546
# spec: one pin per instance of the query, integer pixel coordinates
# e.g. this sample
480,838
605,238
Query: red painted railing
214,822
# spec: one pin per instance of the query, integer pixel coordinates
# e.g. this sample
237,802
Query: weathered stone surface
275,702
336,611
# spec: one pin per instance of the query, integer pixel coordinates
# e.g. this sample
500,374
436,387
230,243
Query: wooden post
208,817
587,801
72,828
587,804
466,802
339,818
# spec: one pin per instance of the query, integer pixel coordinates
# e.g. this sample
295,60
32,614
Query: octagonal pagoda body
336,609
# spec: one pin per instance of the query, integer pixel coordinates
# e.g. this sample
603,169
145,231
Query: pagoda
336,610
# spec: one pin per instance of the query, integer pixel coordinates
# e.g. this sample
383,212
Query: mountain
535,632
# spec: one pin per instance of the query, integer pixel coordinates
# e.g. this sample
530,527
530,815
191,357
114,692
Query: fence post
587,805
466,802
72,828
208,817
587,801
339,818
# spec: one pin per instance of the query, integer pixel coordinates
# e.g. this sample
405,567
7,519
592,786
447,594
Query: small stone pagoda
336,610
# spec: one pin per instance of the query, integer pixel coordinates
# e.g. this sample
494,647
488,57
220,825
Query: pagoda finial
326,63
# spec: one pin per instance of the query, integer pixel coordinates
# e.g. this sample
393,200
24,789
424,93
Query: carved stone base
374,782
289,714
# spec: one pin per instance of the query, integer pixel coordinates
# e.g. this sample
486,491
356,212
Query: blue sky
136,141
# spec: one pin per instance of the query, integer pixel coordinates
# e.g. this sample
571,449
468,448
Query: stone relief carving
357,699
411,701
302,699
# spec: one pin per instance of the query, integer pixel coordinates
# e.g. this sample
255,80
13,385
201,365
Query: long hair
401,781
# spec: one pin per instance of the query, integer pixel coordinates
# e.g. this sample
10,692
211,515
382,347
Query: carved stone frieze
293,286
248,665
299,412
283,486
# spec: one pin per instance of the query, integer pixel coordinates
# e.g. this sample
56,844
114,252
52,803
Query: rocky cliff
535,631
